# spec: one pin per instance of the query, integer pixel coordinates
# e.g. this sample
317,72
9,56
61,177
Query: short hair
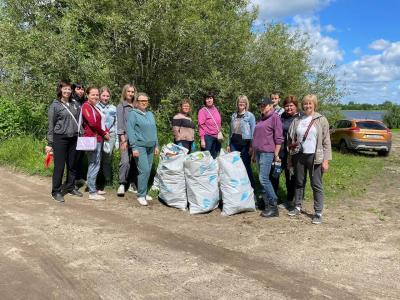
90,88
104,89
125,89
312,98
291,99
77,84
185,101
244,99
60,85
275,93
209,94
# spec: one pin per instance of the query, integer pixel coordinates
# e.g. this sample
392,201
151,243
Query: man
275,97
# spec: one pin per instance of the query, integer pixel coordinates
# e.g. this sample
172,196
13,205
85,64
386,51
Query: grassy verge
348,176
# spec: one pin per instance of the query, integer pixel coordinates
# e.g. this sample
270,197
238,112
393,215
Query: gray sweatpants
127,168
304,163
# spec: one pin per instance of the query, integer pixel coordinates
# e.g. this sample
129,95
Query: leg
106,162
71,164
210,145
300,172
124,166
265,162
318,188
94,158
144,171
60,154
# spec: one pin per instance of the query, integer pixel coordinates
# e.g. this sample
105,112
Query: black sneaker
294,212
75,193
58,197
317,219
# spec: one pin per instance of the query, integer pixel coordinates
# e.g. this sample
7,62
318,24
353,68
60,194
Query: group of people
284,138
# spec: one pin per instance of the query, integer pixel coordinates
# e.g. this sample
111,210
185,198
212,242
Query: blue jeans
264,163
94,160
144,162
244,154
212,145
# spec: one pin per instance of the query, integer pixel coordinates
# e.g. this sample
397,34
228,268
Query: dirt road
118,250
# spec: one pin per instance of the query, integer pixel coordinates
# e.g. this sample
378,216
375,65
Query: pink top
207,125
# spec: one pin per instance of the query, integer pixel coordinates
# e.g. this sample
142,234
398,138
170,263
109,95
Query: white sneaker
132,188
121,190
96,197
142,201
100,192
149,198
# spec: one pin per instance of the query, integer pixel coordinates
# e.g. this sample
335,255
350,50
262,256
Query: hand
156,151
277,158
123,146
107,137
228,149
203,144
325,166
48,149
135,153
253,156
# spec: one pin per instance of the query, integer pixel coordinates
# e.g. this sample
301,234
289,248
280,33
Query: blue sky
362,38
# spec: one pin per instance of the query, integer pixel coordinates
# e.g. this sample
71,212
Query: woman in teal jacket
142,136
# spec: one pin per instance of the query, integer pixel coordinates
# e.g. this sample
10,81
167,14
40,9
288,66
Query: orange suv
369,135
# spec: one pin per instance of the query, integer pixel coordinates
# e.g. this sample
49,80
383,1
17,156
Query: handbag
107,146
298,145
220,136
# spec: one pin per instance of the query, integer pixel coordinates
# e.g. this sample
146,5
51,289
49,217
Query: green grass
348,176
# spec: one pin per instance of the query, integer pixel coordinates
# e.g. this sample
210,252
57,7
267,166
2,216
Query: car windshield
371,125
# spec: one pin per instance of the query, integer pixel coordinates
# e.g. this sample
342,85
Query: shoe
75,193
142,201
132,188
271,212
317,219
80,183
283,205
58,197
96,197
100,192
294,212
121,190
149,198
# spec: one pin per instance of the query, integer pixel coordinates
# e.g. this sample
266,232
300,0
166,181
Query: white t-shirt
310,144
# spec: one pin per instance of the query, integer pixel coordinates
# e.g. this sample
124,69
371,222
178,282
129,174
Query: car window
340,124
371,125
348,124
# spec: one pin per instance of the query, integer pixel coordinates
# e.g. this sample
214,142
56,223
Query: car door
335,132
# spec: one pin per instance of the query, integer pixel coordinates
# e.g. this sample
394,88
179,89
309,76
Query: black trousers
64,152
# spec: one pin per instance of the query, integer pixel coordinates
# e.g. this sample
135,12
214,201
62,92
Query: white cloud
357,51
324,48
275,9
329,28
379,45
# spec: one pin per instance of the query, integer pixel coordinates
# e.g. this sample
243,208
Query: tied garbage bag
170,177
201,172
237,193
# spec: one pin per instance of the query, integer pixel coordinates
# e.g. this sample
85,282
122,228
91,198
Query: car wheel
343,147
383,153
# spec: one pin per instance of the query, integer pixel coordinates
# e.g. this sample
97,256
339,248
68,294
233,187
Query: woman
267,140
290,105
309,150
61,140
183,126
241,132
93,126
127,165
110,117
143,142
209,126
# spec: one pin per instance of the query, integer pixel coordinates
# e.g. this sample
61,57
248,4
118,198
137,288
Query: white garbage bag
237,193
201,172
170,177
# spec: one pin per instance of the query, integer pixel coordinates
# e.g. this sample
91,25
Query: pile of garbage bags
198,181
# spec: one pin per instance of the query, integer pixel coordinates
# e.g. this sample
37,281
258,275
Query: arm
50,132
252,124
326,139
88,114
176,124
130,130
202,121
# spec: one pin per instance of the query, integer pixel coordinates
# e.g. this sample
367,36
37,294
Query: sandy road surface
118,250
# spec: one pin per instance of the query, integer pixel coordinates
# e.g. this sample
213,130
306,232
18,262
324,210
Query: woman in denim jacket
241,131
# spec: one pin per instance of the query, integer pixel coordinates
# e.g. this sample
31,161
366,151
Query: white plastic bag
170,178
201,172
237,193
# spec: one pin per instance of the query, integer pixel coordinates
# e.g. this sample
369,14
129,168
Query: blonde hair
244,99
124,91
104,89
312,98
185,101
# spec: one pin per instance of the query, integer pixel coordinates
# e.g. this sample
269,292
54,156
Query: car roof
361,120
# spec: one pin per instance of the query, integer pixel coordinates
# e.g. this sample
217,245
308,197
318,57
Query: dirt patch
119,250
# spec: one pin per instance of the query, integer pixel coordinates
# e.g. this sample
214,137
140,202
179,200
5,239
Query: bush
392,117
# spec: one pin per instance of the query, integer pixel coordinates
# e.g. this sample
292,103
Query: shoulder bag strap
216,125
308,129
80,116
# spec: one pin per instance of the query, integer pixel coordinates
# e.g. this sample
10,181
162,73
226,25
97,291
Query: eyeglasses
143,101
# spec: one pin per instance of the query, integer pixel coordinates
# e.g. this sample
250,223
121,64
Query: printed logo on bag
212,178
244,181
235,159
202,169
234,183
244,196
206,203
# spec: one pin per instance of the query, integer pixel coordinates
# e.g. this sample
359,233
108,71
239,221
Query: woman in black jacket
61,140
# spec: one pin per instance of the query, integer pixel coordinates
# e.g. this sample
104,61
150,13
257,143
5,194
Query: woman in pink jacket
209,126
